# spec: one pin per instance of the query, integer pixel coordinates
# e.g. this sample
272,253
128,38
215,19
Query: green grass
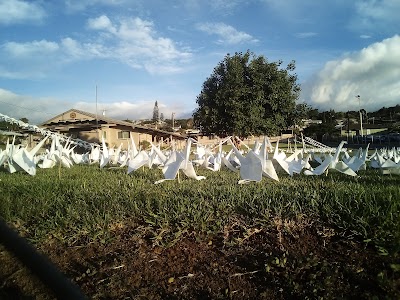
84,203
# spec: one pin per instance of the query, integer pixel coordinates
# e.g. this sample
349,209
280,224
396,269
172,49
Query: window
123,135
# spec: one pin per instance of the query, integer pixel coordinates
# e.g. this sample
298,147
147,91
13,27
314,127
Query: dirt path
252,265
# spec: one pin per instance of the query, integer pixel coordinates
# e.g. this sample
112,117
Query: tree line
248,95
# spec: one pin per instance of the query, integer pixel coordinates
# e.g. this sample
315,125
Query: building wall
114,137
89,136
75,123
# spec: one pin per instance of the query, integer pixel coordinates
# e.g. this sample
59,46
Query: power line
30,109
44,132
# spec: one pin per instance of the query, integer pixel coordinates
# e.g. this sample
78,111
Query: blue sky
53,54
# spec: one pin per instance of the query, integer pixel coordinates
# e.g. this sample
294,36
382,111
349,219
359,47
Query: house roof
106,120
94,116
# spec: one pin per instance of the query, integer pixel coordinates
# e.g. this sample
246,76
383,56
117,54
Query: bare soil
314,262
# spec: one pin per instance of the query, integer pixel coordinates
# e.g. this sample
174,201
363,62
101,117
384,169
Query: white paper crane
4,154
359,162
138,161
250,166
321,168
94,155
332,162
171,167
268,169
25,159
104,156
179,161
226,161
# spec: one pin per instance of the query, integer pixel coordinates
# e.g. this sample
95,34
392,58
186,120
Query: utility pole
348,126
97,120
359,109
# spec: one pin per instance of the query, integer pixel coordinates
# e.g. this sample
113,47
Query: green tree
300,113
317,131
328,117
247,95
327,127
156,113
313,114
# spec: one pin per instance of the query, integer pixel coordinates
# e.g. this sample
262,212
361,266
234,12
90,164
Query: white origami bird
25,159
179,161
250,166
227,162
138,161
104,156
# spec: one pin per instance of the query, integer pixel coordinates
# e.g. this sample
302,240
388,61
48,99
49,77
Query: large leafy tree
246,95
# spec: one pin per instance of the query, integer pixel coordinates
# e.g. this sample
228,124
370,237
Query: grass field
86,205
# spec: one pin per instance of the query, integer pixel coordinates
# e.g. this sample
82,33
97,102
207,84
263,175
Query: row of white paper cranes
252,165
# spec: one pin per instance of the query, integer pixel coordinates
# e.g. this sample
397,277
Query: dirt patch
251,264
17,282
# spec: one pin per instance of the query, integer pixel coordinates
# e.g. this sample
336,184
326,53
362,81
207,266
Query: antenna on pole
97,122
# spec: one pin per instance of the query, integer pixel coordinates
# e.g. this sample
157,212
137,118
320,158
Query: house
367,129
308,122
91,128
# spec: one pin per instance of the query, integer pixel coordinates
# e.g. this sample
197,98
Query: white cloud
132,110
35,59
378,16
121,110
379,10
131,41
305,11
225,7
373,16
29,49
29,60
101,23
72,48
20,12
216,7
79,5
226,33
304,35
372,73
135,42
36,110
